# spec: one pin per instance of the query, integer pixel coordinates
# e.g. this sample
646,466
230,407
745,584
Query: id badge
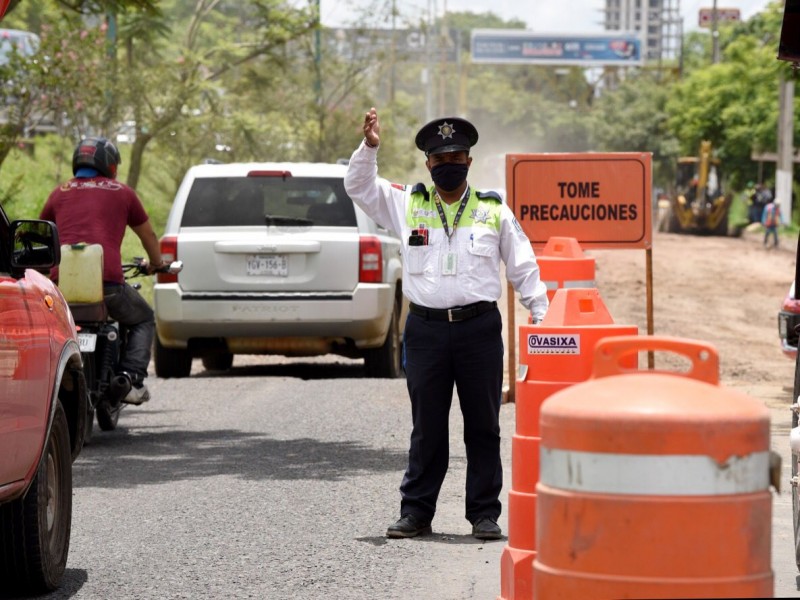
449,263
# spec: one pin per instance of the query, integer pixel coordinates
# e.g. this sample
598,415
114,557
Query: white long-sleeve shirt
455,272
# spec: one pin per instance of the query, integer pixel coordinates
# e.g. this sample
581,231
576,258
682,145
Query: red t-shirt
95,210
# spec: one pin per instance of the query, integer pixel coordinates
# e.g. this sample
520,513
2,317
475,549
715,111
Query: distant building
659,20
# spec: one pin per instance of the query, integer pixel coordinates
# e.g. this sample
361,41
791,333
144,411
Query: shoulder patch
419,188
399,186
490,195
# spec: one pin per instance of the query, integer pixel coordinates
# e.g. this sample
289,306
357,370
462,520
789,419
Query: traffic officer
453,240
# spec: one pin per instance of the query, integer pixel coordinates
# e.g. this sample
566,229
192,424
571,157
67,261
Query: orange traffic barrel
653,484
553,355
559,351
562,264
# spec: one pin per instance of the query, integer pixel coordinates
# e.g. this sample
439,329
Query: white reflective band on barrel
653,474
580,283
573,283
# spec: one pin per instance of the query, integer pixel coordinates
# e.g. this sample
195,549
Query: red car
43,410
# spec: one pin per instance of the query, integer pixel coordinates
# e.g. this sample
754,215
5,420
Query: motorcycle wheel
91,383
107,415
87,436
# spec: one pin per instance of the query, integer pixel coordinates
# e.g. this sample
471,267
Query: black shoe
486,528
408,526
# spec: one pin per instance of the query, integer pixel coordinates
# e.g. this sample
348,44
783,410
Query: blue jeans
129,309
771,232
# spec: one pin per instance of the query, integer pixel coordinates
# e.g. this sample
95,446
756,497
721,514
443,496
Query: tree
94,6
169,85
733,103
633,118
61,82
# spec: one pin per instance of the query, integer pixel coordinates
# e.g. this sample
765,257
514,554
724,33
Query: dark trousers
126,306
439,355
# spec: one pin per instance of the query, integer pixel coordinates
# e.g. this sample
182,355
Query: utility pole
427,80
393,54
442,60
714,34
784,165
317,55
111,54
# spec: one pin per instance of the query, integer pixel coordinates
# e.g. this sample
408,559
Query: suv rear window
243,201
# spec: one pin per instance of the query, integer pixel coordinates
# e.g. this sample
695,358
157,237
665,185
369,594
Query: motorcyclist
94,208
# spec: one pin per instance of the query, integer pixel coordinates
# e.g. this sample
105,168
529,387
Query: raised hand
372,127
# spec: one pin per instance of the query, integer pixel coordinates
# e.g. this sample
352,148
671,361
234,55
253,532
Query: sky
542,16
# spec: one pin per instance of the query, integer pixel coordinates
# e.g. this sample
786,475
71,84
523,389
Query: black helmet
96,153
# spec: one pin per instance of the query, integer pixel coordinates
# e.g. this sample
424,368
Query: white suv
276,260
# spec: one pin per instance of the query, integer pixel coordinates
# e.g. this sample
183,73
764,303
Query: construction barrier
562,264
553,355
653,484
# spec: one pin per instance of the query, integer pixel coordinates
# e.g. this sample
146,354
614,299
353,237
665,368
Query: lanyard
442,216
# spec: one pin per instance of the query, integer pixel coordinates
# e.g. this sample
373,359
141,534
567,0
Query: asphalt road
267,482
278,481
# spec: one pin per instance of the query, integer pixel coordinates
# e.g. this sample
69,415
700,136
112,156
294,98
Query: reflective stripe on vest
653,474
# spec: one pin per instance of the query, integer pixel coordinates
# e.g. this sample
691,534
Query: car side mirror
34,245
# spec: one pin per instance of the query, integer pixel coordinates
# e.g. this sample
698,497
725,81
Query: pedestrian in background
749,197
770,219
454,238
761,197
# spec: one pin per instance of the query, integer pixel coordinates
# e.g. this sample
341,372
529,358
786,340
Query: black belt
458,313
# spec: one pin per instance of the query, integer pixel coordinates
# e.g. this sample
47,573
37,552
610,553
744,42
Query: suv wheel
171,362
35,529
219,361
386,361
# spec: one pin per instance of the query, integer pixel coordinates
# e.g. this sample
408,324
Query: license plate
783,326
268,264
87,341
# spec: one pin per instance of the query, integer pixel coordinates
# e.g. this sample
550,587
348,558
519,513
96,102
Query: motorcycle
101,338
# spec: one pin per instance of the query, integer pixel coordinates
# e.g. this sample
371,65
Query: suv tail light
370,260
169,253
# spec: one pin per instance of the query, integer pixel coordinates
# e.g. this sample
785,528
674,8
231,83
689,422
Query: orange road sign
601,199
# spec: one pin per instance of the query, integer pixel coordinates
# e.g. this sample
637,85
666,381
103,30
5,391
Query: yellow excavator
698,204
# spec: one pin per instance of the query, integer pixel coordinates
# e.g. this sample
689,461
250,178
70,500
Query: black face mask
449,176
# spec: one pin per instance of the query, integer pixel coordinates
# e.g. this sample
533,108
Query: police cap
448,134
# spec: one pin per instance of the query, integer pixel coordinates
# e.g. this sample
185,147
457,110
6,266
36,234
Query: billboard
603,200
525,47
406,44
